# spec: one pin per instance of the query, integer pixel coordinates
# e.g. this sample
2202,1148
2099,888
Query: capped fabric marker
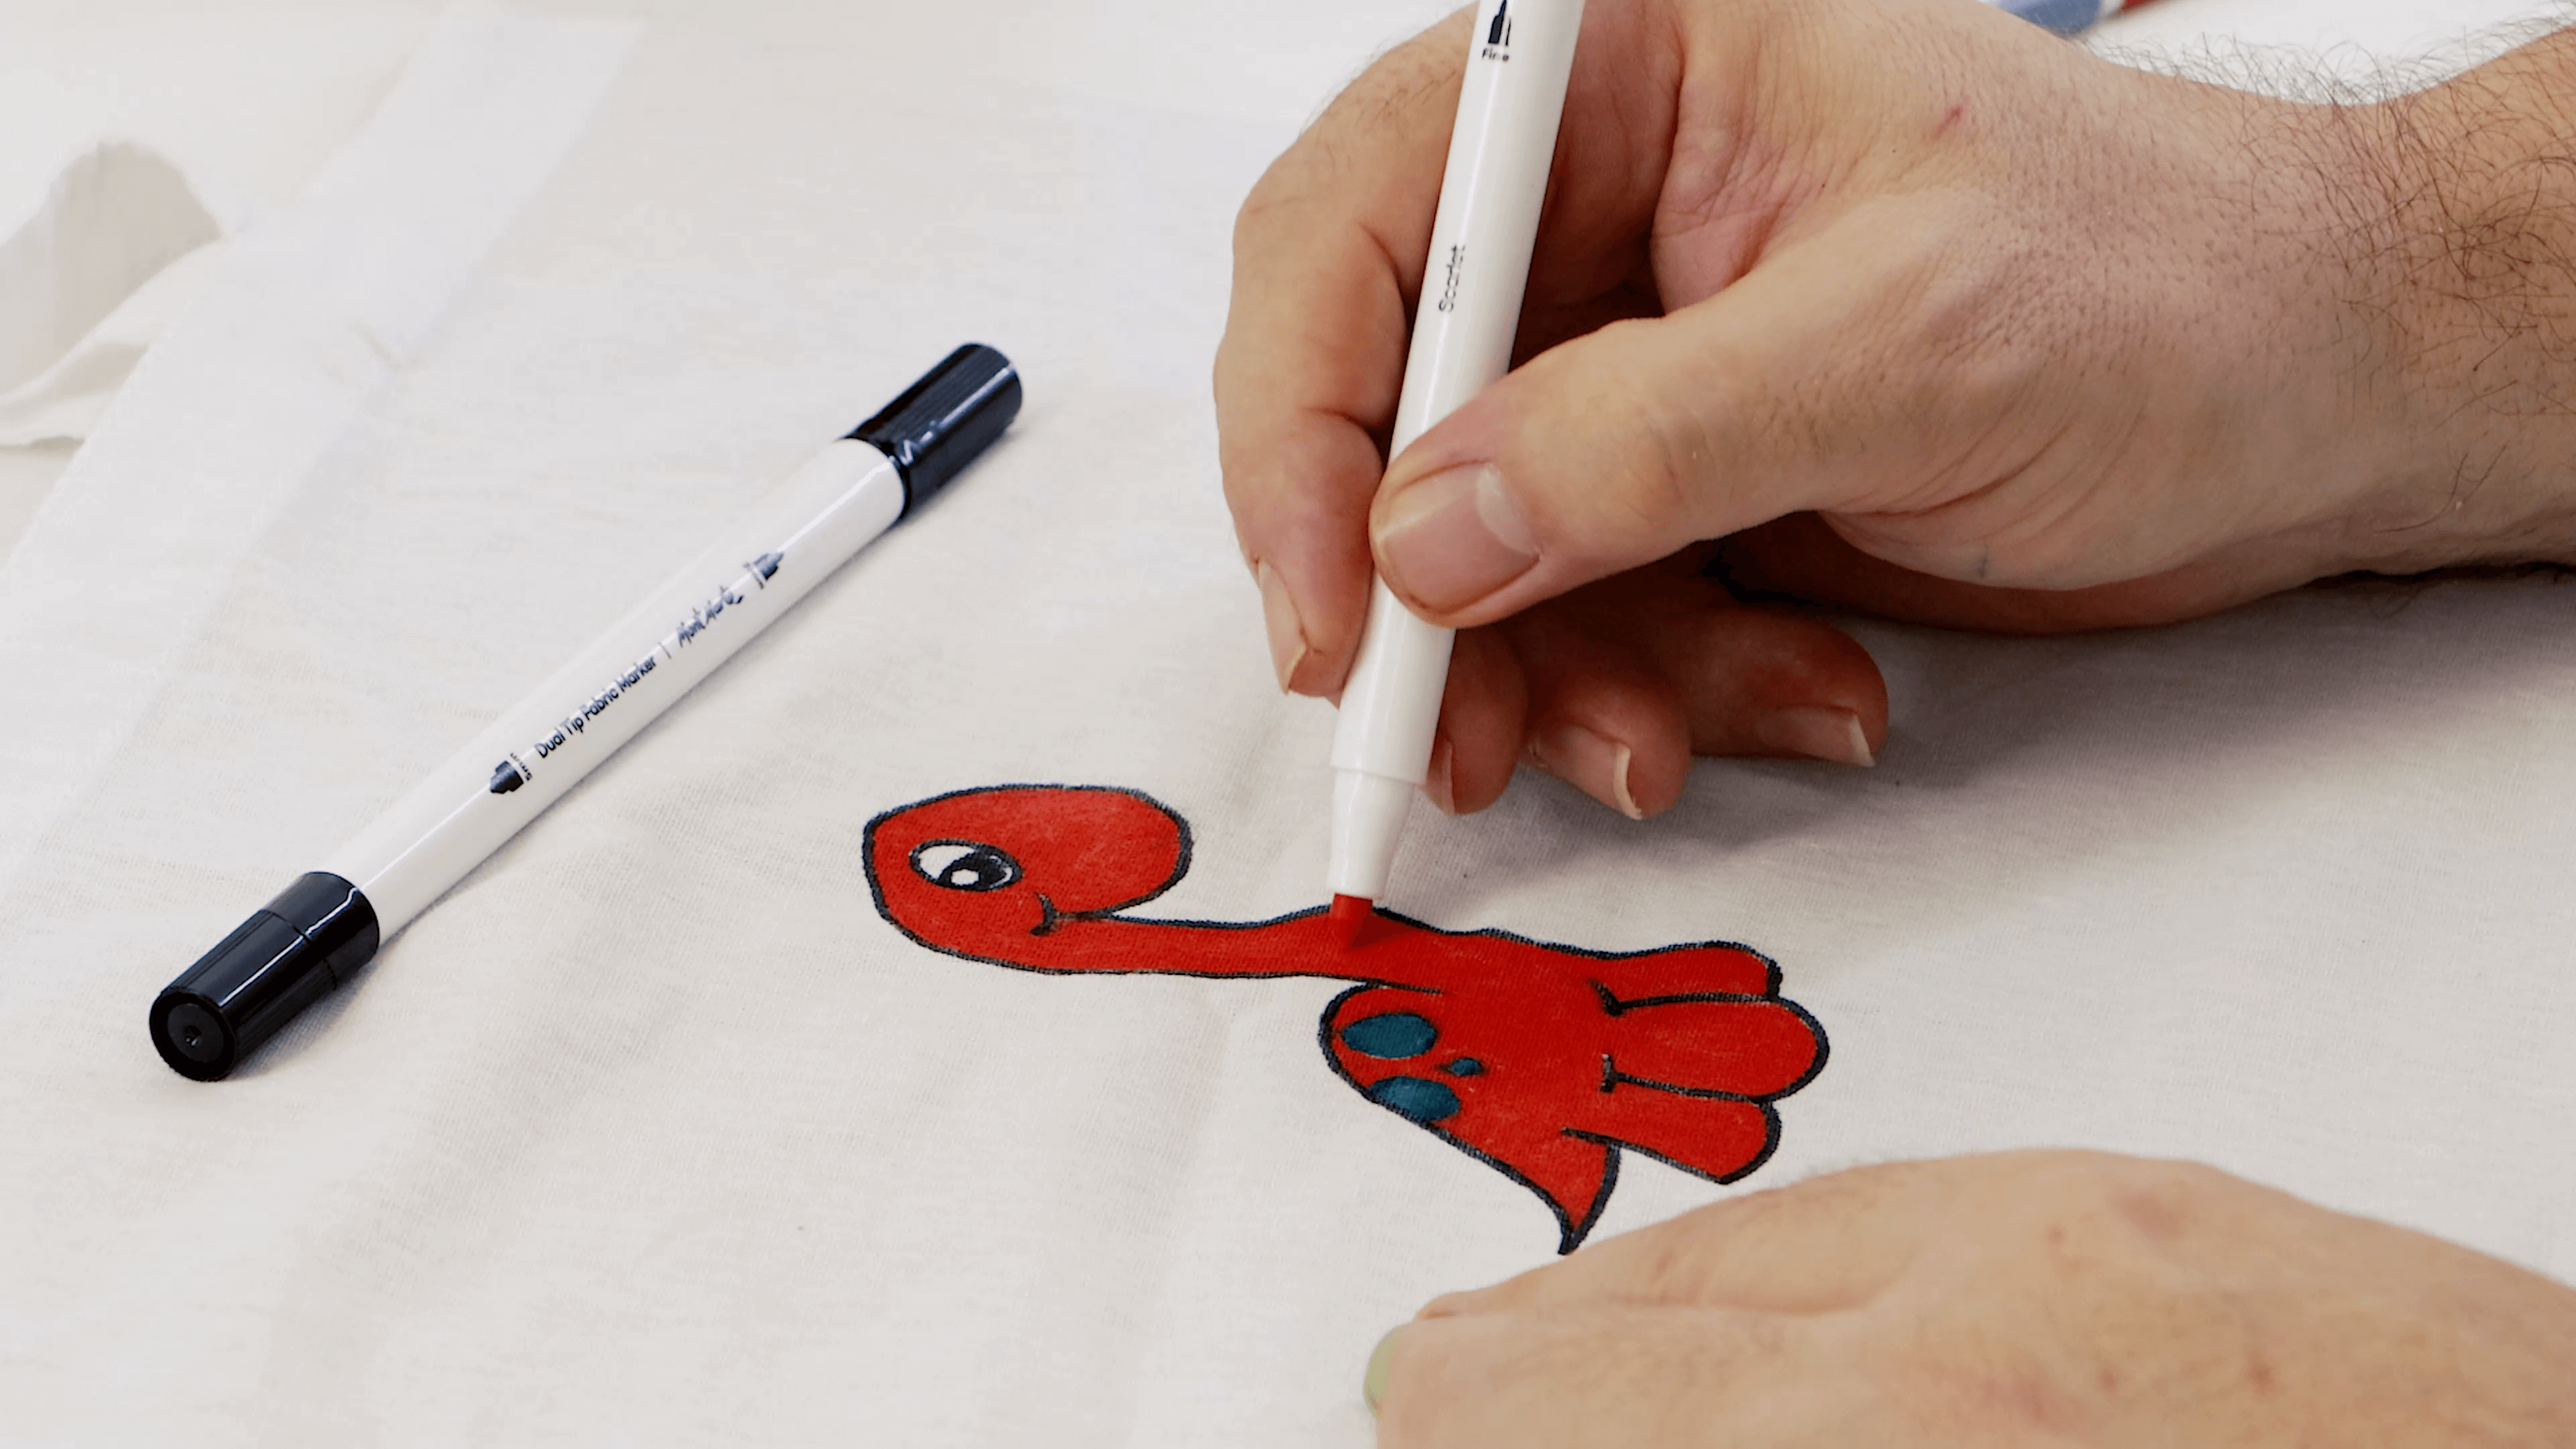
1519,56
331,922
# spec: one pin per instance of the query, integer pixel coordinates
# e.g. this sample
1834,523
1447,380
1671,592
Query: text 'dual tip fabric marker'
330,922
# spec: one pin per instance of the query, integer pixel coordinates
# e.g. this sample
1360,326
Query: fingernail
1436,785
1373,1383
1454,537
1817,732
1279,616
1590,762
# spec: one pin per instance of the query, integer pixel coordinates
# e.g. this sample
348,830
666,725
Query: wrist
2452,217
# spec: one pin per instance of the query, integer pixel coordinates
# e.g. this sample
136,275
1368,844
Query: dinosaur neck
1300,945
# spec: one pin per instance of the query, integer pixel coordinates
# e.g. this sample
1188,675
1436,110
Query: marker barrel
1520,56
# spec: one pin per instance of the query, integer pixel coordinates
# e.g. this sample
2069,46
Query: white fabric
246,99
110,252
655,1131
315,314
116,218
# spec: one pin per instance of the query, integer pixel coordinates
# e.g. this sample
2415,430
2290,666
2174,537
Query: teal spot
1393,1035
1423,1101
1465,1067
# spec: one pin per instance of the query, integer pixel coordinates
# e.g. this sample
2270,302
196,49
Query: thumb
1605,453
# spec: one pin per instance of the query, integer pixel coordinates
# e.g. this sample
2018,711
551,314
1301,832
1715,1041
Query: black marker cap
943,421
277,963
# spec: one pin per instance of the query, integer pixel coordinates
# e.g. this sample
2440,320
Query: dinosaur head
992,873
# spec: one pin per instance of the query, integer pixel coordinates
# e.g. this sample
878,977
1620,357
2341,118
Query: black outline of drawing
1570,1232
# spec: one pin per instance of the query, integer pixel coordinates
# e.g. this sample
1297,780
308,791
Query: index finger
1328,257
1329,254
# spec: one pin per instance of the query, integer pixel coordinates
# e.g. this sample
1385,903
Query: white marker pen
330,922
1518,59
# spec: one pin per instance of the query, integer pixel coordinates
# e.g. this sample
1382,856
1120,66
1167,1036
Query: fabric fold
218,425
114,219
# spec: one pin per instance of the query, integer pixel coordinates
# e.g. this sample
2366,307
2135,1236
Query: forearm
2459,272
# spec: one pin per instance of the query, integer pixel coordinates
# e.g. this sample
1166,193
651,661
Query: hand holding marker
330,922
1520,57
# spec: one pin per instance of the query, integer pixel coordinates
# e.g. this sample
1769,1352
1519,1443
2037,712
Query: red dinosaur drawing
1543,1061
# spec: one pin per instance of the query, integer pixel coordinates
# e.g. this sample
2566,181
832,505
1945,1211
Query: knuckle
2162,1201
1344,134
1276,193
1670,1265
1411,71
2098,1204
1429,1376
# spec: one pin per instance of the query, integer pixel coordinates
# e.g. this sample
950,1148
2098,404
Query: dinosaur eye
962,865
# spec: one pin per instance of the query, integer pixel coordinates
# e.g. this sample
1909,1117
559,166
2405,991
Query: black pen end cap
942,422
280,961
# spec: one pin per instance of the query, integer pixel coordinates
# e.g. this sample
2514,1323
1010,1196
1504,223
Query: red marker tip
1349,914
